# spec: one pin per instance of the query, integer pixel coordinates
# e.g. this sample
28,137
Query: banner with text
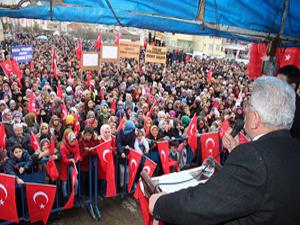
156,54
129,50
22,53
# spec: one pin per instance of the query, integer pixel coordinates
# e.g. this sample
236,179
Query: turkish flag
288,56
40,199
107,167
121,124
117,40
59,91
210,146
98,41
7,67
243,138
31,106
76,125
70,202
149,114
8,208
50,166
34,141
257,53
223,128
134,159
163,149
64,111
3,136
54,63
192,133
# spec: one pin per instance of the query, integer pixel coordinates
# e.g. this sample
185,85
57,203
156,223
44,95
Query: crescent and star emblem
6,194
40,193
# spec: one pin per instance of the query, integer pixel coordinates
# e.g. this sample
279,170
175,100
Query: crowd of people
157,101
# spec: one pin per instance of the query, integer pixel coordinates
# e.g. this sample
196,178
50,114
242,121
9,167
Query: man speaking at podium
260,181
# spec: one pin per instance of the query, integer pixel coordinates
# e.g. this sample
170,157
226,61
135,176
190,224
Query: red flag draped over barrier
98,41
34,141
107,167
50,166
70,202
210,146
192,133
8,208
3,136
134,159
40,198
163,149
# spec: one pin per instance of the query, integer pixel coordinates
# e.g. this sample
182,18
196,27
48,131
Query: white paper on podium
173,180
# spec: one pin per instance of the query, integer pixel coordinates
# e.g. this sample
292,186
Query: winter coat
13,163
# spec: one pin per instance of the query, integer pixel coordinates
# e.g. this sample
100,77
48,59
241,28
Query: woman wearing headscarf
32,125
56,127
8,122
87,144
103,115
125,140
106,135
70,155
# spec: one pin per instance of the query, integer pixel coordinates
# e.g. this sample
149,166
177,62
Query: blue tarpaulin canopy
258,20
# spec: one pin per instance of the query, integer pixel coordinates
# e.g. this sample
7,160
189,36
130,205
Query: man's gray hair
274,100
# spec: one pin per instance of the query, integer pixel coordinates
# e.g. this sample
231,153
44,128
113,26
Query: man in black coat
260,181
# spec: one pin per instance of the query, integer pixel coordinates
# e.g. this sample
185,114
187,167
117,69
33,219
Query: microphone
238,126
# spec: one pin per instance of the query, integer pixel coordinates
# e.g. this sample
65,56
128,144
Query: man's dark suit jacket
295,131
259,184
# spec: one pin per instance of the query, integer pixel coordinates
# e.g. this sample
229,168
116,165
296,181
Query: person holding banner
259,183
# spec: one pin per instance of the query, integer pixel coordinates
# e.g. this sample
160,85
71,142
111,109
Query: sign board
109,53
90,61
156,54
22,53
129,50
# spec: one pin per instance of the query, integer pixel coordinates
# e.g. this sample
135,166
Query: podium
179,180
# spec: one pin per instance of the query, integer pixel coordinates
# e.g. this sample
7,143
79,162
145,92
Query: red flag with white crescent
40,199
134,159
8,208
107,167
7,67
192,133
163,149
34,141
210,146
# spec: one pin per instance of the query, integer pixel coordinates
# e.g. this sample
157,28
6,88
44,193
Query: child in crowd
174,156
141,144
44,150
19,162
